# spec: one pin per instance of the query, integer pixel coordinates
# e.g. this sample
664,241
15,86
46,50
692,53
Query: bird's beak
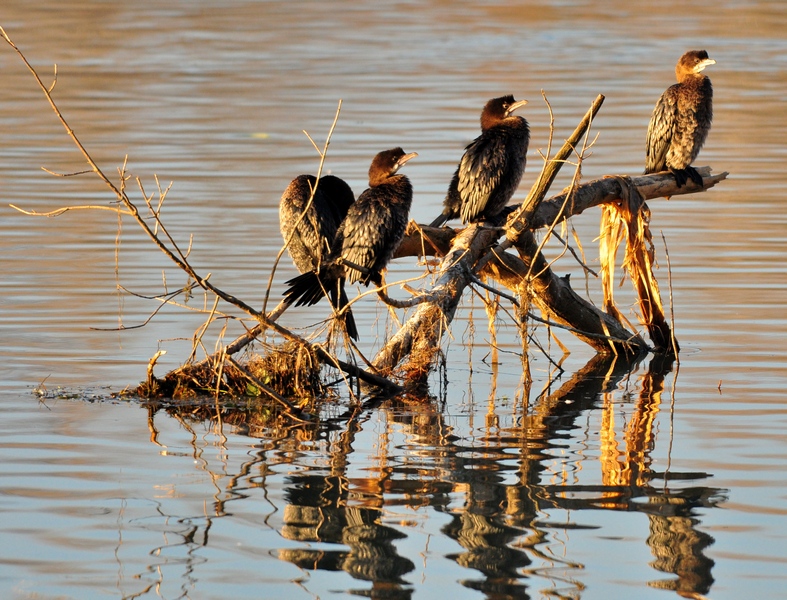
404,159
704,63
515,105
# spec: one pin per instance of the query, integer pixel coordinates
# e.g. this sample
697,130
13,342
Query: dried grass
290,370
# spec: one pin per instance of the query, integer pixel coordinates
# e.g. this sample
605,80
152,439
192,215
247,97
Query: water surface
605,481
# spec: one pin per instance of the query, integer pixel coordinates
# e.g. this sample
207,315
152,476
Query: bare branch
323,153
59,211
64,174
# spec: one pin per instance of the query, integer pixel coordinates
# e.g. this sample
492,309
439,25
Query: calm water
604,481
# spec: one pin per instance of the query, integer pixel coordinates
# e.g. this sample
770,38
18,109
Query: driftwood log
553,295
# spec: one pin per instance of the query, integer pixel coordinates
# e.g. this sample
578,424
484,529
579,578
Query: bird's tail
441,219
305,289
308,288
339,300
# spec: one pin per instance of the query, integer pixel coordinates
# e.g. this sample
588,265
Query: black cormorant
681,120
367,237
314,231
491,167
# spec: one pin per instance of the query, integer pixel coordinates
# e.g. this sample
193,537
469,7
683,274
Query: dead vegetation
291,372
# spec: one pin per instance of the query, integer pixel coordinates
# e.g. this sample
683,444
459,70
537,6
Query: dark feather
311,228
681,120
308,288
491,167
368,236
661,130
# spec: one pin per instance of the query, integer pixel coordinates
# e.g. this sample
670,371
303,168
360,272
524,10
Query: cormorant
367,237
681,120
313,232
491,167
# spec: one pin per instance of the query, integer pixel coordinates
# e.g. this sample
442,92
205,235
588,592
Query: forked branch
177,257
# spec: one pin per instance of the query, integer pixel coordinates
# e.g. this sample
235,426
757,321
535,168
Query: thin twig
673,341
579,259
65,209
165,299
323,153
493,290
55,174
177,256
204,328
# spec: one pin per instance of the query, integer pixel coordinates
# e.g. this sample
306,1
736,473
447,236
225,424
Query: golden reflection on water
630,465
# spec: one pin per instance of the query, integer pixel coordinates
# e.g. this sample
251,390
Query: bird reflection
317,513
487,543
678,544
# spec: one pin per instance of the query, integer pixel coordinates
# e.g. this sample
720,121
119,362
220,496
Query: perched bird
309,232
681,120
366,239
491,167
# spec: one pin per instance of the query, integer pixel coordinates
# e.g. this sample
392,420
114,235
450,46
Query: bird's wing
660,131
364,236
322,224
306,230
480,169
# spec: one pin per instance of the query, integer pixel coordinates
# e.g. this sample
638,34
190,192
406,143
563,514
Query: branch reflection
500,486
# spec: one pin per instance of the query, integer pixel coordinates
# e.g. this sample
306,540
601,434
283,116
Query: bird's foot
683,175
680,175
694,175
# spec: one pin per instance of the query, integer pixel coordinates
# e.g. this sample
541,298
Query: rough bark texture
419,337
433,241
608,189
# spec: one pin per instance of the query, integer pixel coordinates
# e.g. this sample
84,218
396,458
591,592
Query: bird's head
498,109
693,61
387,163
